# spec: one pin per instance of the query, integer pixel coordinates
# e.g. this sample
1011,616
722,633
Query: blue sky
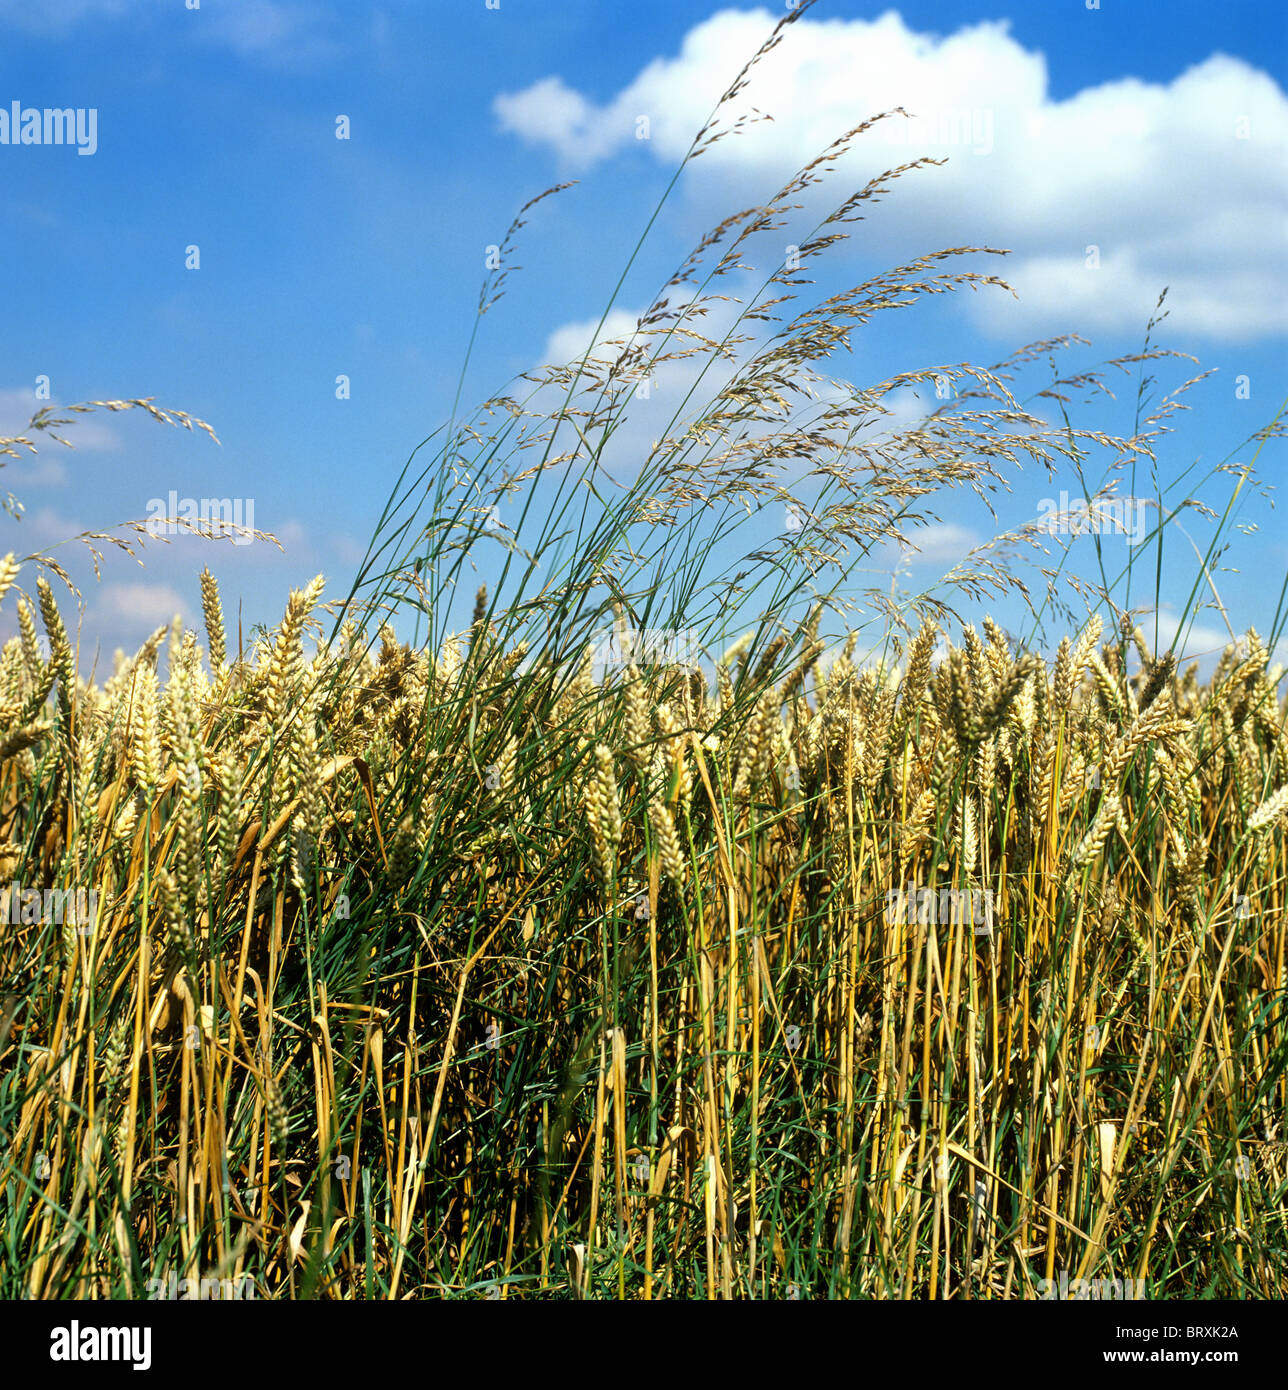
1154,131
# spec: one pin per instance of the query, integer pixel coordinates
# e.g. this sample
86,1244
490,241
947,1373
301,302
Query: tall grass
464,967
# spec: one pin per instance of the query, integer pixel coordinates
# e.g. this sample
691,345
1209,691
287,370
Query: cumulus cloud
568,342
1104,197
655,400
149,605
941,543
549,112
1201,641
1204,642
108,617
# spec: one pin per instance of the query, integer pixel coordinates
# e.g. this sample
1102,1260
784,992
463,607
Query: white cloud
941,543
149,605
59,18
42,527
34,470
292,534
281,32
123,616
680,389
568,342
1177,184
1200,641
654,403
85,433
549,112
109,616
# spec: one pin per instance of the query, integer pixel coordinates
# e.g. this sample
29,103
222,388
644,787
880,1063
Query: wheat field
392,953
421,973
